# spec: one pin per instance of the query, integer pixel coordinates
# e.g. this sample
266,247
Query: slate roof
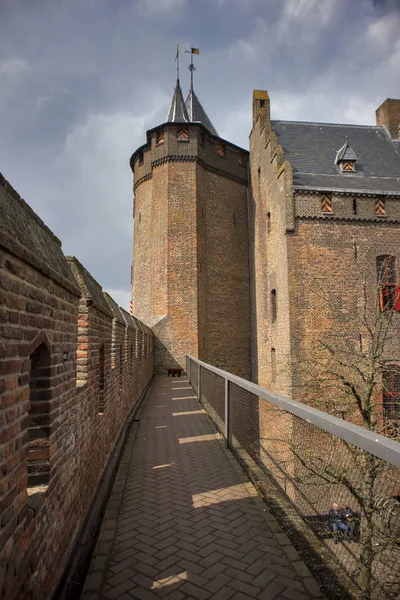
197,113
346,152
177,111
311,149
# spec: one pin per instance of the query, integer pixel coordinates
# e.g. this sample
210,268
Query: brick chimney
388,114
261,106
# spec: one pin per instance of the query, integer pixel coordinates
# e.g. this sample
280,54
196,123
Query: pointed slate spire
177,111
346,157
197,113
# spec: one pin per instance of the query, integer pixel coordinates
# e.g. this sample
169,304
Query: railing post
227,411
199,384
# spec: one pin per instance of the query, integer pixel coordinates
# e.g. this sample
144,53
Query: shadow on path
183,521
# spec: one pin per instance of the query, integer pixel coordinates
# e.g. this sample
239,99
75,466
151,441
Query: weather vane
191,66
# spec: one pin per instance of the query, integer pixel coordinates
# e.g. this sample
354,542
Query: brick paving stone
183,522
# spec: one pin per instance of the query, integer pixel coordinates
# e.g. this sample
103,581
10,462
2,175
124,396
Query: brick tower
190,279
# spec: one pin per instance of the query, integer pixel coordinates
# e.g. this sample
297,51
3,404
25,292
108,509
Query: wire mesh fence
193,371
334,493
213,397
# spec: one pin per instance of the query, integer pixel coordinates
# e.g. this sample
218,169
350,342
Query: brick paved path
183,522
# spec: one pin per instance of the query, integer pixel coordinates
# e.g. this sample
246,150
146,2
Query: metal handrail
374,443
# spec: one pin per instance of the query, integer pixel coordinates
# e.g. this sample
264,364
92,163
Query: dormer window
346,158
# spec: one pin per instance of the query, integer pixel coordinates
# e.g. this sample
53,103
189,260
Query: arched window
391,398
387,282
273,306
39,417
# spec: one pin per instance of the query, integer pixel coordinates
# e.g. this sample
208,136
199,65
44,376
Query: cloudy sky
82,80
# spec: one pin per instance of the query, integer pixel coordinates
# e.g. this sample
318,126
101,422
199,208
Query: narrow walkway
183,522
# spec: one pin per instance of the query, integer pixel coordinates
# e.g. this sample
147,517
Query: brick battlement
72,368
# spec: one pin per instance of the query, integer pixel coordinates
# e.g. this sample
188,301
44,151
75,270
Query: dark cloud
80,82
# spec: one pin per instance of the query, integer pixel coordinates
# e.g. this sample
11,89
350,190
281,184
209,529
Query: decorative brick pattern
380,207
326,203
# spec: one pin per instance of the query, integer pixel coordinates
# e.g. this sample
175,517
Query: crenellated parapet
172,142
66,391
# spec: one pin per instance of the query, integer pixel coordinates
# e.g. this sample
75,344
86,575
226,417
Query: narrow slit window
355,208
136,344
273,365
273,306
120,366
241,160
101,378
38,460
387,282
269,222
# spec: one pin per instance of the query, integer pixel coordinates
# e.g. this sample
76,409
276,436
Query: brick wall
271,221
223,273
191,248
388,114
64,396
319,266
333,263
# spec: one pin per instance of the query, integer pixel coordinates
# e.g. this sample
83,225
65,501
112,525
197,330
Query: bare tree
355,369
350,373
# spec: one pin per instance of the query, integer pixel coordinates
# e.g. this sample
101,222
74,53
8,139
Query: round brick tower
190,279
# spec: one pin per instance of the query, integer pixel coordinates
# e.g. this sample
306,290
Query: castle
242,258
245,259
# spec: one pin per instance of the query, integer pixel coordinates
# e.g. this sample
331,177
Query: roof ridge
353,125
